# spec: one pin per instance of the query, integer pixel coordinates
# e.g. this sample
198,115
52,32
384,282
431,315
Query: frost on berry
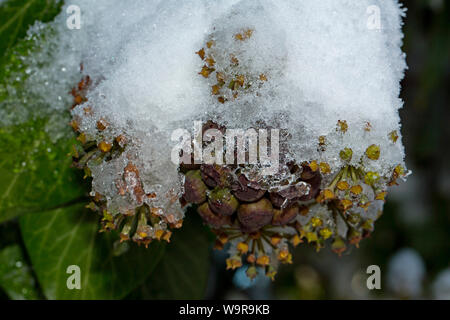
309,68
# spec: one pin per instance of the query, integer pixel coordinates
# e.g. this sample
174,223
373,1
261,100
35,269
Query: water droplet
120,248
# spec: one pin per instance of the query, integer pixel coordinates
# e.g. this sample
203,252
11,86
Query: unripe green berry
221,201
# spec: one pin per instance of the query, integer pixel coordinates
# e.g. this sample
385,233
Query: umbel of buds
256,219
316,203
141,221
259,225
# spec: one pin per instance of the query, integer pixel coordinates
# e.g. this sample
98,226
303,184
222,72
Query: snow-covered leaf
17,15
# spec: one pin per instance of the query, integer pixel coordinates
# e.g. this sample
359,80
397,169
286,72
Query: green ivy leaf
36,173
16,16
184,270
34,145
16,278
69,236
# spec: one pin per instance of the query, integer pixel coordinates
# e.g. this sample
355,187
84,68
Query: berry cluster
257,218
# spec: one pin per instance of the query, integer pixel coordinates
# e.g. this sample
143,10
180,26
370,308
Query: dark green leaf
184,270
16,16
15,275
9,234
36,173
69,236
34,139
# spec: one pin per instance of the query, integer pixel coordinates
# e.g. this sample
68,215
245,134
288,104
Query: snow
322,63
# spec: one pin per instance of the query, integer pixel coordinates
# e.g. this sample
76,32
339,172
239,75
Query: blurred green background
411,242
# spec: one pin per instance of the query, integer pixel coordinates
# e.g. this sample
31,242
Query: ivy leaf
36,173
69,236
16,16
184,270
16,278
34,165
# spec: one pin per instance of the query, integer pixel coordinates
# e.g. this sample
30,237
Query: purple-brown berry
254,216
216,221
194,188
282,217
246,190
